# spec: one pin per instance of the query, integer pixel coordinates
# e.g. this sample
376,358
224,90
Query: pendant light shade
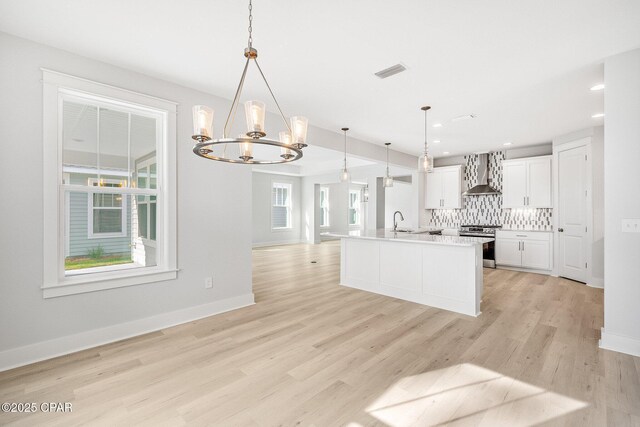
425,162
345,176
388,179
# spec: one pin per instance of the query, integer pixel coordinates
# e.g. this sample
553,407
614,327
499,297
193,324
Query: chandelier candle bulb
285,137
255,111
246,151
202,122
299,126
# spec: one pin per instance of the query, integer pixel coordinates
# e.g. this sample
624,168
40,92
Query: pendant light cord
250,41
426,147
345,150
387,144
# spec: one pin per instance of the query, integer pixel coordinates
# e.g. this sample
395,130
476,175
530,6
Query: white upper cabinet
527,183
444,188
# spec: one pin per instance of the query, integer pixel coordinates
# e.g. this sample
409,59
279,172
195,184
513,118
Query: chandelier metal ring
202,149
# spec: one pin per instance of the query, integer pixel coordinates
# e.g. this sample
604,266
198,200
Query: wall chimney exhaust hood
482,186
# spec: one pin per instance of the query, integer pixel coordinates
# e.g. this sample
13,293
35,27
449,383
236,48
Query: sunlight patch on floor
468,394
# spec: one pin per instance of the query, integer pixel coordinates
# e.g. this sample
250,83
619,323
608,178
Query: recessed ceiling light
599,86
507,143
436,141
446,152
437,125
597,115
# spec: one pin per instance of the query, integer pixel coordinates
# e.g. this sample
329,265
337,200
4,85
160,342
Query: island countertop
412,238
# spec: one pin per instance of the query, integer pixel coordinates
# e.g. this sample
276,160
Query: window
354,207
324,207
107,212
281,206
107,155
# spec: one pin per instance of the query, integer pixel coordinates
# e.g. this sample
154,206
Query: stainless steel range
488,249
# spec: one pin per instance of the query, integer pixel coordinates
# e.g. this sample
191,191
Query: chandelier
425,162
252,147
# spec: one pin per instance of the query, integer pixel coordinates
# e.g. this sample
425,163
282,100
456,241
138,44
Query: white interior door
572,213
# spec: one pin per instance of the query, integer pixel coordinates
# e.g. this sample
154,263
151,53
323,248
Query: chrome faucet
395,223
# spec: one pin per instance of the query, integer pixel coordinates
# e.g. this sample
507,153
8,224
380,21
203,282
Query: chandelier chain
250,42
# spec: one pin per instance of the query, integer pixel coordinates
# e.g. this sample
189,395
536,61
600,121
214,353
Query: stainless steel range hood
482,186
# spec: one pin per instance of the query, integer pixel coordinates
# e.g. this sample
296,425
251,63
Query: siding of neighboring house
79,243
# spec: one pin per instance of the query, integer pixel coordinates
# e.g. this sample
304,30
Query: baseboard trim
619,343
524,270
596,282
44,350
277,243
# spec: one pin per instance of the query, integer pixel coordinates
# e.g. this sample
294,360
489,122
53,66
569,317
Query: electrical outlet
631,225
208,282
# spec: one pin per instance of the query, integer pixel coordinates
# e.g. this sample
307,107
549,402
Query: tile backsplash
486,209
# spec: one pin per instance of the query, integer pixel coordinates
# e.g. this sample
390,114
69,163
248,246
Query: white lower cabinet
526,249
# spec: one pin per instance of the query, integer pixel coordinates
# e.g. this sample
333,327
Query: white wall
262,234
400,197
214,231
621,330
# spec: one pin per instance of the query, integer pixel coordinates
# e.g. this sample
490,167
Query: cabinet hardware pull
521,235
523,246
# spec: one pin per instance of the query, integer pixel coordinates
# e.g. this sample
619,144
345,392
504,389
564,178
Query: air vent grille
388,72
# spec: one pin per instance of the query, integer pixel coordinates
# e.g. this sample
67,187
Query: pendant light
388,179
425,163
345,176
287,148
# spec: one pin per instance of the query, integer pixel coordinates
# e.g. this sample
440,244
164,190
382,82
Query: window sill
281,229
109,280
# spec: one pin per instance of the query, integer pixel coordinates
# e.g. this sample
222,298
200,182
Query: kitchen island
439,271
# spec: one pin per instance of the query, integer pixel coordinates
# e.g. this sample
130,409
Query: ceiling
523,67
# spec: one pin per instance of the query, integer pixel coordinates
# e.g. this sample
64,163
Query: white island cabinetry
439,271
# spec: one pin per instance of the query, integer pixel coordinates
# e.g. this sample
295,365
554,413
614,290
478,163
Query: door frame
582,142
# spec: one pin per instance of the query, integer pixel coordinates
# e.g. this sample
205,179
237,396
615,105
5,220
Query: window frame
289,205
90,213
57,87
325,210
146,163
357,208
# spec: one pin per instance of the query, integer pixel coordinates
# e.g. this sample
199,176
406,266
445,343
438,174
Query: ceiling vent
388,72
464,117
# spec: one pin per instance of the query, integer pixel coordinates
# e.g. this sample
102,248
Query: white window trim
327,223
146,241
357,208
55,283
289,226
123,213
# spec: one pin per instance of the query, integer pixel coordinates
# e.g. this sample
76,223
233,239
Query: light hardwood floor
313,353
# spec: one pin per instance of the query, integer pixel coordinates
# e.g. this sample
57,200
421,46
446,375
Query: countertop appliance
488,249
